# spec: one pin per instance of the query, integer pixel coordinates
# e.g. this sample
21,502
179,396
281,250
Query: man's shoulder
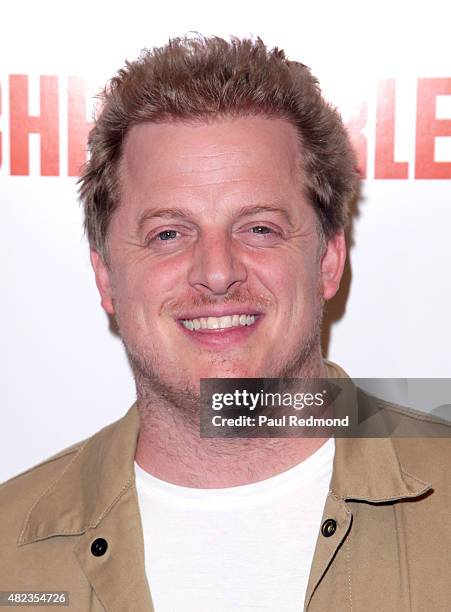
38,478
25,486
19,494
404,420
52,467
68,491
422,441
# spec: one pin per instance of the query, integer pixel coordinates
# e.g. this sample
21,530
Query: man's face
213,230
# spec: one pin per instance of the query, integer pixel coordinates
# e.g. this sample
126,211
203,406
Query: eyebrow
164,213
247,211
184,213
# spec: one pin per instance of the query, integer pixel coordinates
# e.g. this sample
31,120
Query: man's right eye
166,235
167,238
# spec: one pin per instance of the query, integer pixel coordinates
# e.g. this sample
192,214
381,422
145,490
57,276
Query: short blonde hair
203,78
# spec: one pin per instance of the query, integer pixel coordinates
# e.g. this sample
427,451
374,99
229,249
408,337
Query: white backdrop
63,374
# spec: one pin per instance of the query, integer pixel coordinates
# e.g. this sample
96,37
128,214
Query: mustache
178,306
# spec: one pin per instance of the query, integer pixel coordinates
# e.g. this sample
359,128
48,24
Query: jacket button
329,527
98,547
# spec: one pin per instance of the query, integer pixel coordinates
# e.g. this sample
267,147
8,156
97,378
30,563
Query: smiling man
216,199
200,279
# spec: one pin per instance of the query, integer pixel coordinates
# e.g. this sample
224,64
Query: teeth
213,322
235,320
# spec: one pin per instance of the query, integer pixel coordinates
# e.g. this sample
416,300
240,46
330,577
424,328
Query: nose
216,266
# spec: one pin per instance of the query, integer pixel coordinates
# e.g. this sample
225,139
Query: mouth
221,332
218,323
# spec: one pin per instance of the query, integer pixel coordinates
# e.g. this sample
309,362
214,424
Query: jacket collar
367,468
102,470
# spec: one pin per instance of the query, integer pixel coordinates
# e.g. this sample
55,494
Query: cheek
129,296
298,283
142,292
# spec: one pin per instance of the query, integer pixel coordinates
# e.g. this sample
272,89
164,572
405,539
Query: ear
103,281
332,265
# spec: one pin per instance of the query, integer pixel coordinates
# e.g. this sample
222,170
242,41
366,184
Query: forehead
229,154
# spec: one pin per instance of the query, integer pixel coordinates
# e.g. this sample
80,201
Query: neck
170,447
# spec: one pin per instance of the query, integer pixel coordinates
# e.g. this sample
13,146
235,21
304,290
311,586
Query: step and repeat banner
63,372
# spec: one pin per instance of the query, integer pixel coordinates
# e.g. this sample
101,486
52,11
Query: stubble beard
155,394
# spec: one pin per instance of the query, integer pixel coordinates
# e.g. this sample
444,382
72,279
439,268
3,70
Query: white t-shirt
238,549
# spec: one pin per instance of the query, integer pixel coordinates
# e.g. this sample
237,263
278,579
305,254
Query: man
216,198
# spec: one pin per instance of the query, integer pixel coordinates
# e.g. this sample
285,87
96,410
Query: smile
235,320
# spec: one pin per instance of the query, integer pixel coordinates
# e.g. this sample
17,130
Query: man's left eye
261,229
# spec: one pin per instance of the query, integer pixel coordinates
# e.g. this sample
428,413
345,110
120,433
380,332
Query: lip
221,338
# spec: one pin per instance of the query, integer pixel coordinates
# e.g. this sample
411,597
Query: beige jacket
389,551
